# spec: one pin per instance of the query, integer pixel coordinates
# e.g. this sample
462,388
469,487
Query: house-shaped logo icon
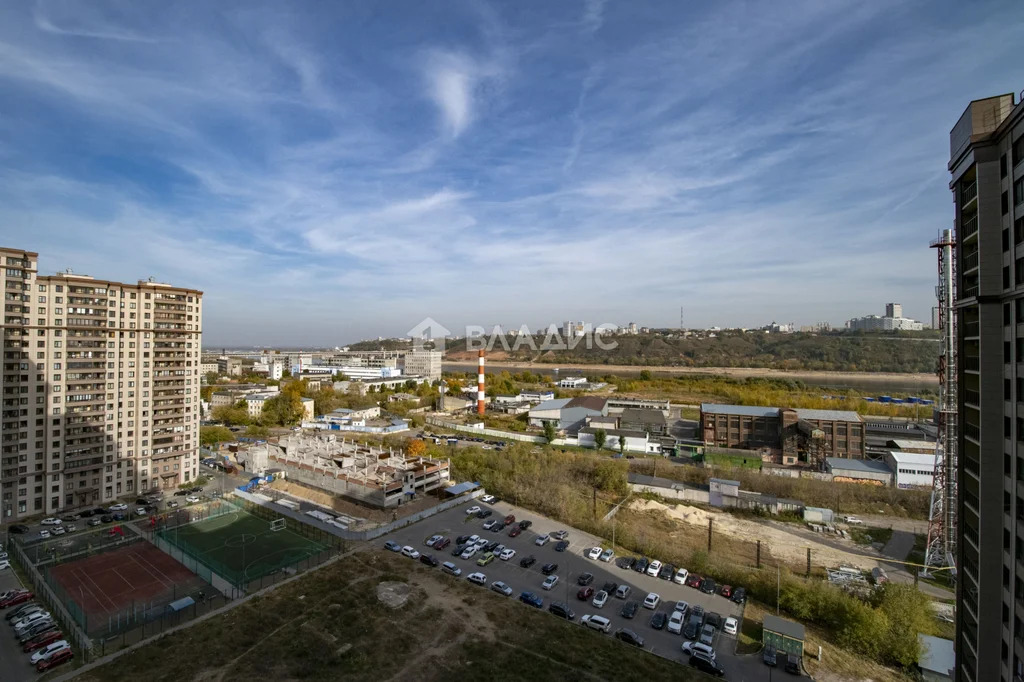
428,330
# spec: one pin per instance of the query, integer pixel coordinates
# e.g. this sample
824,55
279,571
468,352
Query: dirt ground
371,515
780,542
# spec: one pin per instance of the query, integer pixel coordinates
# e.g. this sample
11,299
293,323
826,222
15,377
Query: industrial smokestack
480,385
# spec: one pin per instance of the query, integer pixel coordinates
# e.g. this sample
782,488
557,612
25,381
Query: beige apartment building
100,388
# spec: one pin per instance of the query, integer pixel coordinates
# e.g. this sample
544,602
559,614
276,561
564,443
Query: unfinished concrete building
373,476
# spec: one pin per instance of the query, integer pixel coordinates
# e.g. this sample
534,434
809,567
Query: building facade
424,363
987,181
100,388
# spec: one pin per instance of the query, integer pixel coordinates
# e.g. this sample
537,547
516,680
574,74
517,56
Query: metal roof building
784,635
856,470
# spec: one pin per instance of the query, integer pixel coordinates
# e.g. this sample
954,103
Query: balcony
972,397
968,227
972,364
968,193
970,261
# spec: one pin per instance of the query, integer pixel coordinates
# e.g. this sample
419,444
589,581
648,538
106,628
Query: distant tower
893,310
681,327
480,385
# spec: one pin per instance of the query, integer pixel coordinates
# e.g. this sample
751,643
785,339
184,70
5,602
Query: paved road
14,665
571,564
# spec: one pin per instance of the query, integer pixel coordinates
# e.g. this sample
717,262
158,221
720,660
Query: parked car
549,582
43,533
731,626
410,552
393,546
713,619
510,519
488,499
585,579
562,545
468,552
515,531
442,543
531,599
852,520
666,572
15,599
625,562
694,580
599,623
528,561
600,599
696,648
53,661
653,568
708,586
739,595
429,560
607,556
19,529
593,552
477,578
707,635
622,591
610,587
682,607
726,591
640,565
549,568
541,540
793,665
451,569
707,666
652,600
45,625
485,559
51,521
675,622
120,506
429,542
680,577
490,524
462,539
561,610
501,588
692,628
48,651
629,637
629,609
524,524
473,510
42,640
489,546
507,554
585,593
560,535
768,655
658,620
25,609
58,530
484,513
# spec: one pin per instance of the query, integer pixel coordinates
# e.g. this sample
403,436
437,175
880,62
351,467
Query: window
1018,151
1018,191
1006,203
1002,166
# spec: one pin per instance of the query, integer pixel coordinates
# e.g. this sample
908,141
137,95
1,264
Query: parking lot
571,564
16,667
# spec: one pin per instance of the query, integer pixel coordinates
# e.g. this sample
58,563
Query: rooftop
615,432
864,465
903,444
552,404
925,458
937,654
743,410
784,627
589,402
634,414
828,415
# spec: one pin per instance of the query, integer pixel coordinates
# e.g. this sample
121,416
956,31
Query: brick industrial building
784,435
100,387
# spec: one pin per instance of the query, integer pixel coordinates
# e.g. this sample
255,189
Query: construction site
379,477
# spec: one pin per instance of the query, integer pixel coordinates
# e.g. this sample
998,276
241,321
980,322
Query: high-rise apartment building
987,168
425,363
100,388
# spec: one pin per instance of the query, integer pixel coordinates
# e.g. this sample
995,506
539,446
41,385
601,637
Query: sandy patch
785,545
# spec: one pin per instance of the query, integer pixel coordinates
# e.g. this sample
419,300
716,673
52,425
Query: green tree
284,409
550,433
257,431
211,435
206,392
599,438
645,375
907,612
232,415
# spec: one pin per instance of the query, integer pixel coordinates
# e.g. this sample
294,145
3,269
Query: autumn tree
415,448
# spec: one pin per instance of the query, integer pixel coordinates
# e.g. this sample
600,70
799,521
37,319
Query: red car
585,593
62,656
42,640
510,519
442,543
516,530
726,591
694,580
16,599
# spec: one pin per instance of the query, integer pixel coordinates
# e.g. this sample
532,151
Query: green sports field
242,547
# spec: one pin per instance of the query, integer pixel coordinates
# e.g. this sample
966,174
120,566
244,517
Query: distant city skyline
329,172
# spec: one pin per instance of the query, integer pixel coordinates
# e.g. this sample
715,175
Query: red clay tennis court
115,581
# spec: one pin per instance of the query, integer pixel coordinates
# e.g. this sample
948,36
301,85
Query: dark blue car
531,599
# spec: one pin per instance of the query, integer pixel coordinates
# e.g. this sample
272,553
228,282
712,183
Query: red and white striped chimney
480,385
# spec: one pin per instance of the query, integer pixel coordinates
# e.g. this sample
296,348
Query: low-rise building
632,441
209,368
229,366
232,393
866,471
425,363
912,469
365,386
572,382
568,414
651,421
399,397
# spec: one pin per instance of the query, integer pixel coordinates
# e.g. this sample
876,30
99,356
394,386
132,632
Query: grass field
241,547
330,625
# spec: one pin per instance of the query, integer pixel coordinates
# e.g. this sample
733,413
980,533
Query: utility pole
710,523
778,587
808,562
759,554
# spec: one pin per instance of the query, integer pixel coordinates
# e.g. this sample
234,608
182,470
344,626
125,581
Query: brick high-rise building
100,388
987,167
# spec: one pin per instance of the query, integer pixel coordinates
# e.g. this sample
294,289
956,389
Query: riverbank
878,380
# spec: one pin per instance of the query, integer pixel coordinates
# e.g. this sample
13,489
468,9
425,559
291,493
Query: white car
600,599
680,577
49,650
731,625
853,520
468,553
689,648
675,622
607,556
473,510
593,552
429,542
501,588
141,511
490,523
595,622
58,530
488,498
473,539
652,600
29,619
4,564
51,521
507,554
191,499
410,552
654,568
550,582
478,578
541,540
43,533
120,506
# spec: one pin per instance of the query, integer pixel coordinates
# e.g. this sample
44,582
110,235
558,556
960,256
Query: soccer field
242,547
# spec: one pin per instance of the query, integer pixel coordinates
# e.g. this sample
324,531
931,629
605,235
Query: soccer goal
277,524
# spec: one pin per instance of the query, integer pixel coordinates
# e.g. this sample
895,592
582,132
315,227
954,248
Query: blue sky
331,171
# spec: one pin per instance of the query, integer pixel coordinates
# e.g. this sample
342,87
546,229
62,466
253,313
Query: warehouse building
865,471
912,469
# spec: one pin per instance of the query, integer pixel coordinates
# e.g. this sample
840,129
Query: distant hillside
382,344
850,352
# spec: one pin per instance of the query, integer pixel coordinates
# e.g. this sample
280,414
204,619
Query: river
870,383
